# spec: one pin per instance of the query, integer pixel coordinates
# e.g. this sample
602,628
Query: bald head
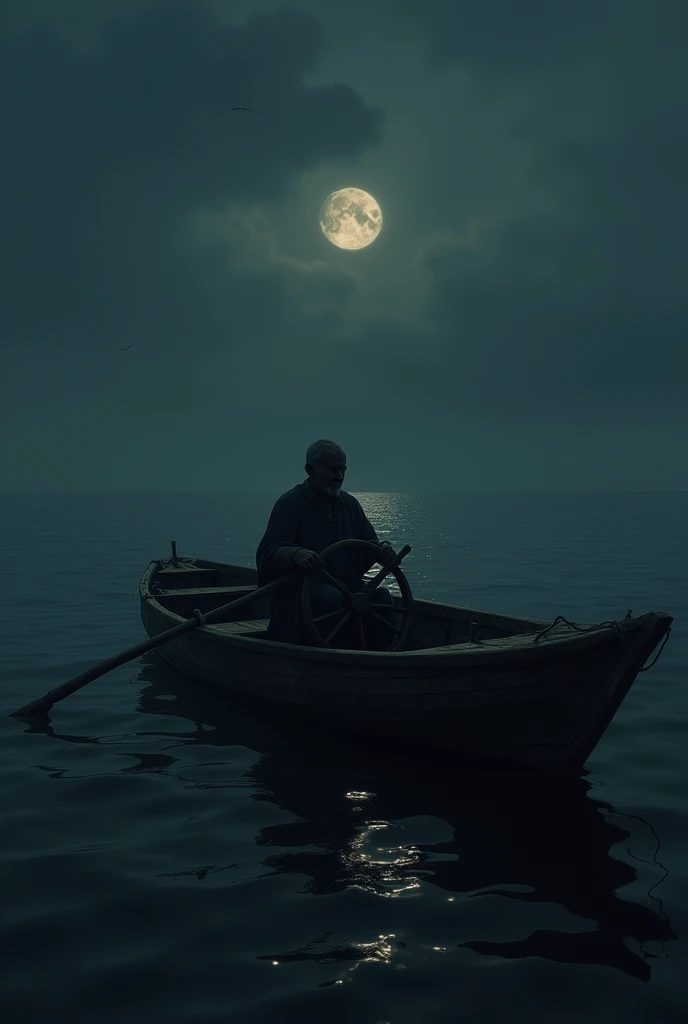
326,466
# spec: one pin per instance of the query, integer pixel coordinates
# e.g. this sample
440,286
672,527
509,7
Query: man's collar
310,493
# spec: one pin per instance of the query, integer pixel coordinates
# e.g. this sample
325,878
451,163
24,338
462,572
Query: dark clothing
299,520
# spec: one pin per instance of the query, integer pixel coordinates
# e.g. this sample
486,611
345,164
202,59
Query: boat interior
190,584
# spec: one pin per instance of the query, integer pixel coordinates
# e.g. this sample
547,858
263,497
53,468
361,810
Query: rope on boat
620,631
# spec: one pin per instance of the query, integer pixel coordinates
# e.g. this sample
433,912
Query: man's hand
308,560
387,554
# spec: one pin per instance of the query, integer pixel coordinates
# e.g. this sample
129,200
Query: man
304,521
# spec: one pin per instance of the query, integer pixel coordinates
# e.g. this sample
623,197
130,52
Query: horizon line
581,490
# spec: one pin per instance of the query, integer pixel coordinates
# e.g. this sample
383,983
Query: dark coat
298,520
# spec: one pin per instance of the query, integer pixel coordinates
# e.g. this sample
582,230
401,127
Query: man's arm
364,528
280,541
365,531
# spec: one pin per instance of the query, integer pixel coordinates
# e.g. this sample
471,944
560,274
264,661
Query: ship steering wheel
358,604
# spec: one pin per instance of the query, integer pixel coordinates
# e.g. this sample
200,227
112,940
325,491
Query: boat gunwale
465,654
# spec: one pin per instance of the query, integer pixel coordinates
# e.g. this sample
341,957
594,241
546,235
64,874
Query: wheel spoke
342,587
336,629
355,604
329,615
376,580
389,624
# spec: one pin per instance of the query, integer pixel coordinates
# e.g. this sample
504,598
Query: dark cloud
77,19
504,38
572,305
107,150
526,297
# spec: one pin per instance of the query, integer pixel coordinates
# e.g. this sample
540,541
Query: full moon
350,218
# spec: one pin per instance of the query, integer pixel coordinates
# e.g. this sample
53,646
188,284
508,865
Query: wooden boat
468,680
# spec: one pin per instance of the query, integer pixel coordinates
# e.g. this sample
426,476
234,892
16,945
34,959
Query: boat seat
237,628
220,591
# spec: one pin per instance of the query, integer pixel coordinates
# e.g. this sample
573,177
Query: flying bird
246,109
125,349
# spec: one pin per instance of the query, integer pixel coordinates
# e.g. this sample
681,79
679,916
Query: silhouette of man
304,521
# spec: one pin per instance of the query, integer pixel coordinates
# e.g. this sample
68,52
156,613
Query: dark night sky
520,323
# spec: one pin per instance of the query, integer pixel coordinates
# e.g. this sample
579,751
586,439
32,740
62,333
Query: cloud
109,150
570,306
528,289
506,40
77,19
247,237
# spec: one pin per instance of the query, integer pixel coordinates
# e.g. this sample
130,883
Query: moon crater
350,218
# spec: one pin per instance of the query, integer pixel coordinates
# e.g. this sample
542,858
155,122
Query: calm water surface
169,854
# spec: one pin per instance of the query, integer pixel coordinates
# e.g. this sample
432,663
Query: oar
45,703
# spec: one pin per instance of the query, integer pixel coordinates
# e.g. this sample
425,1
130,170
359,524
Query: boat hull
545,705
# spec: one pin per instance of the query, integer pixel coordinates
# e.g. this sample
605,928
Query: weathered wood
218,592
171,577
183,601
546,703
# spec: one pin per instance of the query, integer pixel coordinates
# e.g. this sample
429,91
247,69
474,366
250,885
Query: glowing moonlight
350,218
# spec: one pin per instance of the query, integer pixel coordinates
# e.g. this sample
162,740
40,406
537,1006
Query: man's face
327,476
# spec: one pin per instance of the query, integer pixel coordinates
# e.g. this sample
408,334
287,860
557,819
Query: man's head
326,466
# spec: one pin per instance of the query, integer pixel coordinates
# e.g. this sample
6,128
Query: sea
170,853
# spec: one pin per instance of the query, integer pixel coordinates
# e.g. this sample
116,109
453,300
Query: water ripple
171,854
